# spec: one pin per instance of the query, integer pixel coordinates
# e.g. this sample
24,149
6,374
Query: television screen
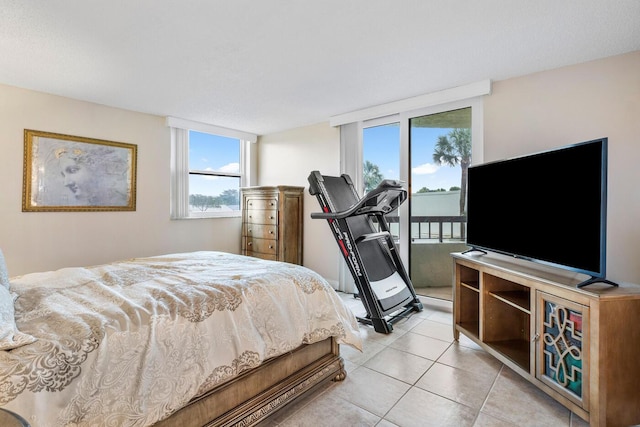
547,207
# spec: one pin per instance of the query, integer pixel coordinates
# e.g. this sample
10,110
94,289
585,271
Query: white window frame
180,170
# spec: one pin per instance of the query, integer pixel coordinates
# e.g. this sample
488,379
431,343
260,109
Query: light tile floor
419,376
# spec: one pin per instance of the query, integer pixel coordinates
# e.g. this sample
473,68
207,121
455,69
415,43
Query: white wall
287,158
38,241
573,104
522,115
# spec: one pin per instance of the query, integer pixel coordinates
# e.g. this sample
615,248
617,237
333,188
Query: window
209,166
214,174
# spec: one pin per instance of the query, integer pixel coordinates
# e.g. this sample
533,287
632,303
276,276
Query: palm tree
371,175
454,149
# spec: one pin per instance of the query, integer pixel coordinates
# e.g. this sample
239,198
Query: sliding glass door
430,150
440,153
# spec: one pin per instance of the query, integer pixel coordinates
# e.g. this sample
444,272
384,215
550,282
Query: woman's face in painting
76,177
90,177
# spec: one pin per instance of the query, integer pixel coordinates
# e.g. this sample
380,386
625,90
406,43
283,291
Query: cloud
230,167
425,169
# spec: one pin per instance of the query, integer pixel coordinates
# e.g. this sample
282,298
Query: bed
188,339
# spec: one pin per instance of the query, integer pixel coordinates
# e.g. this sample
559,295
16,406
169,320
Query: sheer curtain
351,164
179,173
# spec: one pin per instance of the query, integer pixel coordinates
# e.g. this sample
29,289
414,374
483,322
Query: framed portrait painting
72,173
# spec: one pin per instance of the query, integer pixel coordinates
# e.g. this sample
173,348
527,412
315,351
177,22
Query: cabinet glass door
562,351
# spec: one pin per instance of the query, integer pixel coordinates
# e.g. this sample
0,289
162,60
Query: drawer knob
249,244
270,247
270,231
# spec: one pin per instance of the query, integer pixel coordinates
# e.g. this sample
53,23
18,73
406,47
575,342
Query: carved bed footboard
256,394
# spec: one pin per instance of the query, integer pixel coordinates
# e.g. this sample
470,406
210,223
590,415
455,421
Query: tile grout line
411,386
495,381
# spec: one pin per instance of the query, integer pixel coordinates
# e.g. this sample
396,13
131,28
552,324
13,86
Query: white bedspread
128,343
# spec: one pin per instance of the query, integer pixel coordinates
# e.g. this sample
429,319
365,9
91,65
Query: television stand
579,345
593,280
475,250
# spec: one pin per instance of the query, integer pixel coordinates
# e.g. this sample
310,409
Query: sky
382,147
213,153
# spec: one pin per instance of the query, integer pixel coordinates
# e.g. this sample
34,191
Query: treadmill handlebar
385,198
374,236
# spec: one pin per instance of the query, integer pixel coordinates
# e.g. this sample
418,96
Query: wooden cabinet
272,223
579,345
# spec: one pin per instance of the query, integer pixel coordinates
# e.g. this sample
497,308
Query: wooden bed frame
256,394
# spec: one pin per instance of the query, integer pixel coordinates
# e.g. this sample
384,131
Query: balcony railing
439,228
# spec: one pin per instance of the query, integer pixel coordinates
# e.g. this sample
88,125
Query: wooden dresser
272,223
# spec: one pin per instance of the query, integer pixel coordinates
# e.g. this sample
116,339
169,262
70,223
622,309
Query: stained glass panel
562,346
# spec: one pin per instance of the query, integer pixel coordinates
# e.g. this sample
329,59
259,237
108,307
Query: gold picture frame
64,173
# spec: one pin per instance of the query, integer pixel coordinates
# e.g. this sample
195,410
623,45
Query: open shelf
468,300
515,350
507,318
471,328
469,277
506,328
517,299
474,286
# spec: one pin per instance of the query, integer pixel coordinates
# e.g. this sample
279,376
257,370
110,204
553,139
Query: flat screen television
548,207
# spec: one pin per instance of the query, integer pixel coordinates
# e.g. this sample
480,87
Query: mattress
129,343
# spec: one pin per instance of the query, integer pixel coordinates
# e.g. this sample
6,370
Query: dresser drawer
269,257
261,216
265,246
261,231
261,203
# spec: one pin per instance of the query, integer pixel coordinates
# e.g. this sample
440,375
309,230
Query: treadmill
380,277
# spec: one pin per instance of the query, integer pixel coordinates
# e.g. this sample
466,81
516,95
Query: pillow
4,276
10,336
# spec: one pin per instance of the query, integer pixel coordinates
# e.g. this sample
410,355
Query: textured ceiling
263,66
